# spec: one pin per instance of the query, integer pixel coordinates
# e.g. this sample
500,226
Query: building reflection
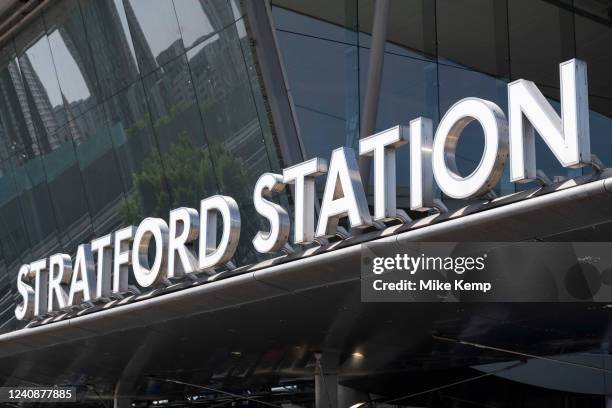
102,126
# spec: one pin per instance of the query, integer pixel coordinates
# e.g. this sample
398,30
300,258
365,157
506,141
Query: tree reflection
182,176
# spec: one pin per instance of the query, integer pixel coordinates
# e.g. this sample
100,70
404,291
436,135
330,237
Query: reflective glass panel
483,47
155,32
228,111
177,124
199,19
140,166
112,48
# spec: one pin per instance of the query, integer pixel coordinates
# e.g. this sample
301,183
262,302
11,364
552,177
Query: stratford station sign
101,268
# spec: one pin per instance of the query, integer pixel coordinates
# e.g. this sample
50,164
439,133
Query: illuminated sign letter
121,258
60,272
102,248
303,176
421,175
491,166
277,216
24,310
566,136
344,194
382,146
82,286
41,279
211,254
149,229
184,228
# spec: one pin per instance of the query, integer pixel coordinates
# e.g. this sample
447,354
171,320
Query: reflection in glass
172,103
111,44
97,160
226,103
178,127
199,19
17,125
129,124
23,157
155,32
14,241
88,142
46,103
72,57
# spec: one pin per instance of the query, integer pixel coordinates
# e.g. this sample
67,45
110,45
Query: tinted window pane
178,127
323,19
139,161
42,87
99,168
484,48
199,19
155,32
228,111
325,84
72,57
109,37
593,39
410,29
13,236
408,90
18,123
541,36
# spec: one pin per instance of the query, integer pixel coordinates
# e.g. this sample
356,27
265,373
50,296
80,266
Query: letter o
491,166
150,229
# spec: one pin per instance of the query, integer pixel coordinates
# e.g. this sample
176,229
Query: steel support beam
326,380
276,88
375,69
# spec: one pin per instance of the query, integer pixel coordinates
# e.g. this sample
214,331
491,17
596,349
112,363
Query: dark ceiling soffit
558,211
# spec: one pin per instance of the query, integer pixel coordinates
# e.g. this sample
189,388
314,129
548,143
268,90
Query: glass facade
116,110
435,56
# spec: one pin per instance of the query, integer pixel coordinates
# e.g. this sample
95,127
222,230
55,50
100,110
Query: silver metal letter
83,283
211,254
121,258
277,216
566,136
344,194
491,166
38,270
60,272
184,228
382,146
24,310
421,173
150,229
303,176
103,250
